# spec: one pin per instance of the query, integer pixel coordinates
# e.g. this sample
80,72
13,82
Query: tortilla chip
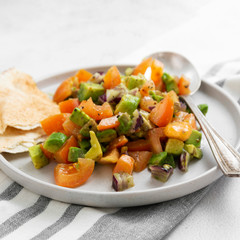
15,140
22,104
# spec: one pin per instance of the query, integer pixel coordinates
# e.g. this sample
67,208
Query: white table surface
47,36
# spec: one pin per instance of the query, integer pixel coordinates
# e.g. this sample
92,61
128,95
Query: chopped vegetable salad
131,121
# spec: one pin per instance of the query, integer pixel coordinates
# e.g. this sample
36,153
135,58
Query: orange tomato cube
142,67
147,103
83,75
157,72
162,114
118,142
178,130
183,86
68,106
64,90
75,174
124,164
108,123
54,123
141,159
94,111
61,155
112,78
154,136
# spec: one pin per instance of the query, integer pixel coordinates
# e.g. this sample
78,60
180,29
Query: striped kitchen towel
25,215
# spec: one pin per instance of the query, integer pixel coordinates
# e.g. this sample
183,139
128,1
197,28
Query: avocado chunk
128,104
144,114
162,158
55,141
125,124
95,152
195,138
84,145
194,151
134,81
155,96
38,158
203,108
106,135
138,134
91,125
104,147
170,83
89,89
147,125
174,146
156,159
137,120
75,153
129,71
112,94
79,117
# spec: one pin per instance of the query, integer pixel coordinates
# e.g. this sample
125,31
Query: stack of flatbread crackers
22,107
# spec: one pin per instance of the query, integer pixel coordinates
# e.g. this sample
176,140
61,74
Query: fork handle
226,156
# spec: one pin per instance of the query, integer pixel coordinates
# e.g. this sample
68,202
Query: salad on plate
131,121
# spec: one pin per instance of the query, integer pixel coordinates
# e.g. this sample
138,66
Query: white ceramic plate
223,114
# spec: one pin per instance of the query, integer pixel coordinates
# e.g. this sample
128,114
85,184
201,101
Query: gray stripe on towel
67,217
144,222
11,191
214,70
23,216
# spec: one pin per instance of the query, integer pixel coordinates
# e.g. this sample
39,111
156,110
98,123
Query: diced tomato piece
157,72
139,145
148,86
96,112
48,154
186,117
162,114
111,156
75,174
178,130
142,67
65,89
183,86
112,78
147,103
61,155
190,118
179,116
124,164
54,123
108,123
141,159
83,75
154,136
68,106
172,94
71,128
118,142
